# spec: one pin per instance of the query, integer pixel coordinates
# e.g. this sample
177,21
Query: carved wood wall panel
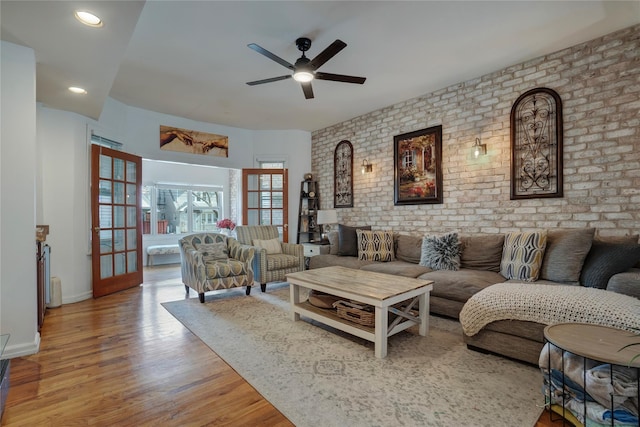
343,175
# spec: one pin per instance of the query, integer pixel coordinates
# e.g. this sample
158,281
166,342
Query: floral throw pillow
441,252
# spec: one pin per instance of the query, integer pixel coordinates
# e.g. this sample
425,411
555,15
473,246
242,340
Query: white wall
18,294
64,179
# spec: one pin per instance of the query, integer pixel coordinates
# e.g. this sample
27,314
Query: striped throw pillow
375,245
522,255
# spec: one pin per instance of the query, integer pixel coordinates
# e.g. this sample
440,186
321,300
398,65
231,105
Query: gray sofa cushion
606,259
320,261
408,248
462,284
397,268
482,251
348,239
565,254
627,283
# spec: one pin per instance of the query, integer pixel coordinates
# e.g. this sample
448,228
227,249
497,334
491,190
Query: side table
597,343
310,249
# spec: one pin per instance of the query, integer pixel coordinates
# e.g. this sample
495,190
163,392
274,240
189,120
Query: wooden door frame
285,197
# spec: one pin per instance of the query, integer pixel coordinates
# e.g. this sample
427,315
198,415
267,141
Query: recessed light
78,90
88,18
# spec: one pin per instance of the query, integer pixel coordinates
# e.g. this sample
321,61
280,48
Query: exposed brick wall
599,84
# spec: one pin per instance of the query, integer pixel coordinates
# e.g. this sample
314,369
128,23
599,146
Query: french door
116,220
265,199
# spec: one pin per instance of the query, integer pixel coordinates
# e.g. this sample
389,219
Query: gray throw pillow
441,252
409,248
348,240
606,259
482,251
565,254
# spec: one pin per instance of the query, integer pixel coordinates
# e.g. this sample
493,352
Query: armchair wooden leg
248,290
263,287
201,296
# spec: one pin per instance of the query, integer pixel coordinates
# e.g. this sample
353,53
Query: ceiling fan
305,69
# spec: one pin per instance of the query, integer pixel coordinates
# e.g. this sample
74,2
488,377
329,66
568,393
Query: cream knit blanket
549,304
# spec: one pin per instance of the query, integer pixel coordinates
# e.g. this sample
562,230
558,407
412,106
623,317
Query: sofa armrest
194,273
627,283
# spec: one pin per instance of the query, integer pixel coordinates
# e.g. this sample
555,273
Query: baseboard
22,349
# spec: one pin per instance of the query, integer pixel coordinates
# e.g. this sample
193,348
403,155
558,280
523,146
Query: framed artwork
343,175
191,141
418,167
536,145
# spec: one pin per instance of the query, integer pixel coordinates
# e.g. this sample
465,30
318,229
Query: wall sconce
366,167
479,149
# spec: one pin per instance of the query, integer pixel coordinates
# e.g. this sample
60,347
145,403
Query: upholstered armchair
274,259
214,261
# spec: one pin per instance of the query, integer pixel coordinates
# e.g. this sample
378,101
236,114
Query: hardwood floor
124,360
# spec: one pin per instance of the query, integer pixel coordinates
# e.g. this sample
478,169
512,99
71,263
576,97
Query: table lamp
325,219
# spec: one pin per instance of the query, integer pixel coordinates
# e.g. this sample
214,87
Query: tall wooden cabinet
308,228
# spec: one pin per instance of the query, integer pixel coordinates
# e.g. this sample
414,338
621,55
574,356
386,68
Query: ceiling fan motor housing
303,44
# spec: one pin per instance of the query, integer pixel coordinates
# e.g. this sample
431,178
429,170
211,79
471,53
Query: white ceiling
190,58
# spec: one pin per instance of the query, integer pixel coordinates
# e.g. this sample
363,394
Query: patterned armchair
272,261
214,261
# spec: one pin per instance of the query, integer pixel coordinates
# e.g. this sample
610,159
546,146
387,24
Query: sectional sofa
505,288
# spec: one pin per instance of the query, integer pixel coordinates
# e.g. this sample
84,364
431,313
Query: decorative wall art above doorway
191,141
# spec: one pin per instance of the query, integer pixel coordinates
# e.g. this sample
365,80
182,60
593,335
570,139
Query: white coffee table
379,290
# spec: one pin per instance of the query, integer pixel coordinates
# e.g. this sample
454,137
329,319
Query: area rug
316,375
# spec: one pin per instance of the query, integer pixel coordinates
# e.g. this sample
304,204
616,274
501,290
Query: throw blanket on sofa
549,304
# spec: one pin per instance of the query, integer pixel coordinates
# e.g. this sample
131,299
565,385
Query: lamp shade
327,216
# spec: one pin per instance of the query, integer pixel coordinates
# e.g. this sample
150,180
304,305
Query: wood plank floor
123,360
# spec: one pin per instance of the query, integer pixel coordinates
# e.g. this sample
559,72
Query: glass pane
265,182
277,182
132,196
146,209
277,199
105,192
265,217
120,263
131,172
277,217
252,200
105,166
105,216
118,216
253,218
106,241
118,243
118,169
132,239
106,269
131,217
118,192
172,207
204,210
265,200
252,182
132,262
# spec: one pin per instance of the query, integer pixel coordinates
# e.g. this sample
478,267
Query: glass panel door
265,198
116,220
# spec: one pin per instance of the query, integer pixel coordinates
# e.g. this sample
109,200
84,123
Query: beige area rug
316,375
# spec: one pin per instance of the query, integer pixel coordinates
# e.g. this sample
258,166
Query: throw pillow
481,251
375,245
441,252
272,246
348,240
565,254
213,251
522,255
409,248
606,259
334,243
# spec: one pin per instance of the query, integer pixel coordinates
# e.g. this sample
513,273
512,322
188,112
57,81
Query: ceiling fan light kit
305,69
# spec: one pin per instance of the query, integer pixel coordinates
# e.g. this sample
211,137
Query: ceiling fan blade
340,78
272,79
327,54
308,91
271,56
